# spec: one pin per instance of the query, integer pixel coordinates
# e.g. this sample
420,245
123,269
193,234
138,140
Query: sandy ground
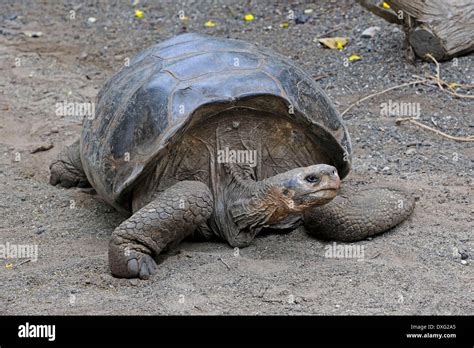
414,269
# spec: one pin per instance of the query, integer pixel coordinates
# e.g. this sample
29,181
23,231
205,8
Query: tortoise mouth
324,191
324,195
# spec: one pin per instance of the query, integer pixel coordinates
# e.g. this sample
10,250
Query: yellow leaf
184,18
385,5
209,24
9,265
333,42
248,17
138,13
354,57
453,85
284,25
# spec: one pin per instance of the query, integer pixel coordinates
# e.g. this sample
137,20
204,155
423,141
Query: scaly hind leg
66,170
356,214
167,220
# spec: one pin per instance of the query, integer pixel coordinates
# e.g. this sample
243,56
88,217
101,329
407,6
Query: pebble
40,230
301,19
370,32
42,147
464,256
92,20
33,33
134,282
464,262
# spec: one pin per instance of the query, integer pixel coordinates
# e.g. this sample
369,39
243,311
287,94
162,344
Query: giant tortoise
202,136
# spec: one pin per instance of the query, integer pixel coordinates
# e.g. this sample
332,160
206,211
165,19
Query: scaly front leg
171,217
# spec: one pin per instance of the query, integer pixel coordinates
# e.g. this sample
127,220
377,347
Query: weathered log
443,28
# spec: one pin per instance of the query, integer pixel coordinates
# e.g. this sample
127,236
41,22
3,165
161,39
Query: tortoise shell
170,86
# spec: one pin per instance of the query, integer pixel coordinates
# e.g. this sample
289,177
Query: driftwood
442,28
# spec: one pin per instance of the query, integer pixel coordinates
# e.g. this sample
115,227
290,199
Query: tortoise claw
141,266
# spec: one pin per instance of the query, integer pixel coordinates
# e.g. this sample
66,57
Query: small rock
308,11
83,55
301,19
463,262
370,32
385,169
33,33
410,151
55,130
134,282
464,255
40,230
43,147
92,20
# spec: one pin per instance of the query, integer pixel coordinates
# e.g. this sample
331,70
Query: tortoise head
302,188
280,201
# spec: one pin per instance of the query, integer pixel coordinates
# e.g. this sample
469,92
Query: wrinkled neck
257,204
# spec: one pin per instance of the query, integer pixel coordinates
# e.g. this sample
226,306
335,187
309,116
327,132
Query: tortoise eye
312,179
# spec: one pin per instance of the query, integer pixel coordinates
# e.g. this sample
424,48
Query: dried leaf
210,24
333,42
